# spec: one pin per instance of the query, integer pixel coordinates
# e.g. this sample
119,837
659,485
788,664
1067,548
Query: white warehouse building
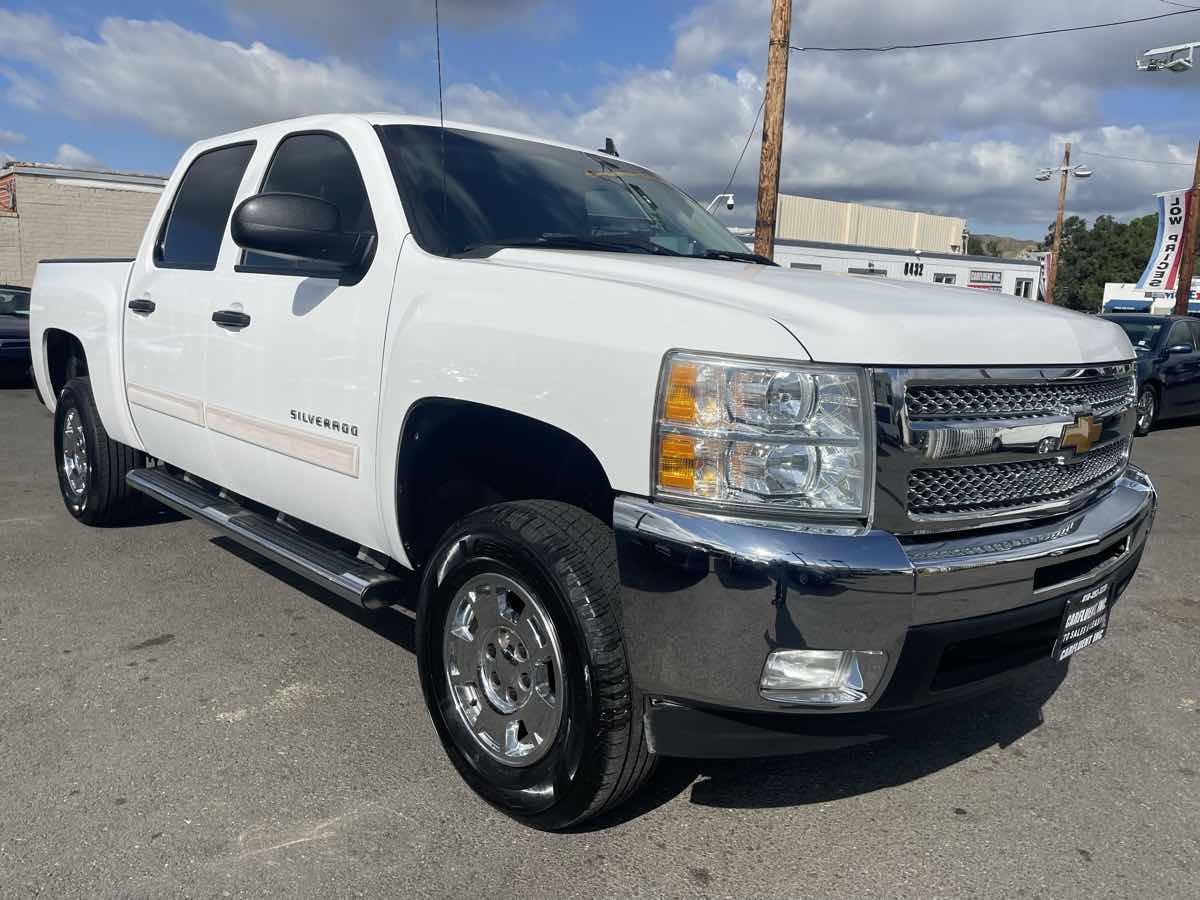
1016,277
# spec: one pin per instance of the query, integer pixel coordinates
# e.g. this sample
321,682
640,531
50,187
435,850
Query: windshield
14,303
501,191
1143,335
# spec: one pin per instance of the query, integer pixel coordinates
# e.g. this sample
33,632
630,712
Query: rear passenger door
293,393
171,289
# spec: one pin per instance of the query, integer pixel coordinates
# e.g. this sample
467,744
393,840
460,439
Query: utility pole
1187,262
1058,224
772,143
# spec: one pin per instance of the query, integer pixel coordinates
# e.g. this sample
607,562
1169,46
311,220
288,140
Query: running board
348,577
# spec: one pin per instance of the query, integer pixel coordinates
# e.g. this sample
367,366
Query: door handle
144,305
231,318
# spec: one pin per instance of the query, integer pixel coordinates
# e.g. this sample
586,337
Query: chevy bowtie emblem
1082,435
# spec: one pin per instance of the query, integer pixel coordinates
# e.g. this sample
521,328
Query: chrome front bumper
705,599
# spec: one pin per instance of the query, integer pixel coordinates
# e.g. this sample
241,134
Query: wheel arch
65,358
456,456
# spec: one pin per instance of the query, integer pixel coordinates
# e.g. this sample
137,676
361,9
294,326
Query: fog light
822,677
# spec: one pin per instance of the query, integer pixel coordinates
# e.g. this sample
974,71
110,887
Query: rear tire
551,569
91,466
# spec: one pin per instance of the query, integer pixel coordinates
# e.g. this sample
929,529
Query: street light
1077,171
1172,59
1066,170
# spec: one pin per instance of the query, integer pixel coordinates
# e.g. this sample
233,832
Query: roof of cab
331,121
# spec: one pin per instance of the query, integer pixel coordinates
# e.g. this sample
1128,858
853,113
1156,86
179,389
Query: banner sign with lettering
1163,267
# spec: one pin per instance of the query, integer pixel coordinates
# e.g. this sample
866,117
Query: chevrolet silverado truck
647,494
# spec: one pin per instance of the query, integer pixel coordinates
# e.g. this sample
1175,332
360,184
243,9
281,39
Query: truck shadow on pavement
920,747
395,625
927,744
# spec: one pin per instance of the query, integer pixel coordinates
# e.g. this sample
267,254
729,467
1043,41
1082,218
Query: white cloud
70,155
183,85
12,137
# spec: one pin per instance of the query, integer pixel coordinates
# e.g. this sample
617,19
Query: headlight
762,435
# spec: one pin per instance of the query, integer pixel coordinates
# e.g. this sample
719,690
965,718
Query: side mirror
297,226
1180,349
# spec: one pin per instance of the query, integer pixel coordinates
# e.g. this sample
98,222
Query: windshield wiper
735,256
551,241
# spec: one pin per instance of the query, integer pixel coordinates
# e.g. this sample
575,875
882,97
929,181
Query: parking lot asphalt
181,718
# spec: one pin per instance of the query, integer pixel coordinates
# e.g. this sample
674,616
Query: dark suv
14,328
1168,365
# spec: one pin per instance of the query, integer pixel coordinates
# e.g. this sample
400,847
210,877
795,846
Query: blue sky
677,82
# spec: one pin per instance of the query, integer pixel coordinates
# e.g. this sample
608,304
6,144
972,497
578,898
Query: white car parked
654,495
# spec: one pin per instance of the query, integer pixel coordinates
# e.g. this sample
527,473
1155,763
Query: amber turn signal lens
677,462
681,392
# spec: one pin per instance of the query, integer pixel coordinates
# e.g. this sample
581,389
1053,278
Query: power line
749,138
1003,37
1149,162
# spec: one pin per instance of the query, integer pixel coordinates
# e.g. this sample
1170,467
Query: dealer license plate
1084,621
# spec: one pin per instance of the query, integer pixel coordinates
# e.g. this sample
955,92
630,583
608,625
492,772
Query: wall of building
809,219
10,249
1009,276
71,217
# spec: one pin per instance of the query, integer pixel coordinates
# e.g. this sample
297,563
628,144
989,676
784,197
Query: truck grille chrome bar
987,488
993,401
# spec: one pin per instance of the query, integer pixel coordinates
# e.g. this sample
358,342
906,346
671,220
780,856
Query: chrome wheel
74,454
504,668
1146,408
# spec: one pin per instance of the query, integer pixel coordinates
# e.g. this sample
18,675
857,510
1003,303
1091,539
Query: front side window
317,165
467,192
191,237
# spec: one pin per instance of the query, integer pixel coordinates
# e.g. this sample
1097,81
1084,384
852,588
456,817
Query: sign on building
1163,268
985,280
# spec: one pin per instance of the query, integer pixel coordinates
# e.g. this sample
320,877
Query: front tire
523,665
91,466
1147,410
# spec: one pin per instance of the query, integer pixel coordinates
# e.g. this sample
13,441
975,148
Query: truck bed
85,298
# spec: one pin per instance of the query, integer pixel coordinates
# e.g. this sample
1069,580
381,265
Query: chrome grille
985,488
929,402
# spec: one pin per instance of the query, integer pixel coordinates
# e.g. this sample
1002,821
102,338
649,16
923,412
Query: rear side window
191,236
1195,326
318,165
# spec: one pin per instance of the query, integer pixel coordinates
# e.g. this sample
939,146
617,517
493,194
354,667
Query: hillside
999,245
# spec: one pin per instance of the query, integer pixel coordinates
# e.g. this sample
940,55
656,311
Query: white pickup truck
652,494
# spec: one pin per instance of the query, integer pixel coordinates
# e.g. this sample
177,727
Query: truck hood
861,319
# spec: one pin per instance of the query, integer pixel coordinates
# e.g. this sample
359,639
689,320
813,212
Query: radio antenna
437,30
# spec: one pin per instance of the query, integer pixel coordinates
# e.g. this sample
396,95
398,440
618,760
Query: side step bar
348,577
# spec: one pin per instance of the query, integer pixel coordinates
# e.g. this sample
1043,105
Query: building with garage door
53,212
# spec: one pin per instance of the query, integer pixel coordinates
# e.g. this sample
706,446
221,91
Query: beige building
828,221
54,212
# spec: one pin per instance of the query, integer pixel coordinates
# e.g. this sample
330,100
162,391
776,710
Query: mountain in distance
999,245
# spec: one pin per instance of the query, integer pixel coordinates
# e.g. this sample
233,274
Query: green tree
1092,256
